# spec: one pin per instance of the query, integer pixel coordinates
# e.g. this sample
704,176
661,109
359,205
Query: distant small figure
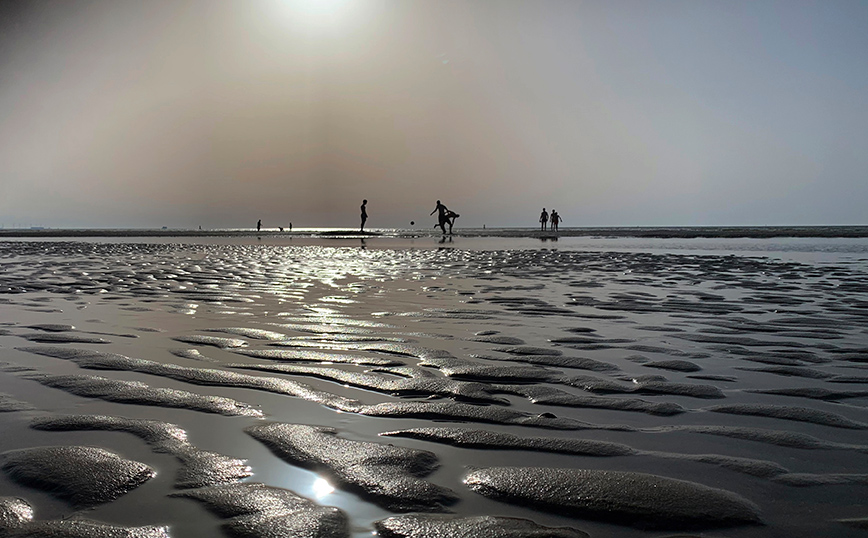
200,226
412,223
290,226
258,225
443,217
543,219
281,228
556,219
364,215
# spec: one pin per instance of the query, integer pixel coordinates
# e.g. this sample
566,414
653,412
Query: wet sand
251,388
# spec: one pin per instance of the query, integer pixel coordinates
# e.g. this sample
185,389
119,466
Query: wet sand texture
14,512
199,468
16,521
668,392
642,500
255,510
83,476
139,393
389,475
8,404
438,526
481,439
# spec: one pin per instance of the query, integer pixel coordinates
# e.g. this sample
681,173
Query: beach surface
493,385
679,232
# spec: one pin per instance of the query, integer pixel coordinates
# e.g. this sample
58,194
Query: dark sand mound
784,412
389,475
551,396
462,412
199,468
675,365
481,439
438,526
256,334
64,338
83,476
643,386
134,392
856,522
16,521
52,327
814,393
260,511
772,437
468,438
305,355
637,499
498,339
810,479
8,404
388,384
206,340
198,376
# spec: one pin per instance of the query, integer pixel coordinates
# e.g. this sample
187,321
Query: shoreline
686,232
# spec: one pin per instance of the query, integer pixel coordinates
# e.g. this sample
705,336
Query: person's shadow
364,245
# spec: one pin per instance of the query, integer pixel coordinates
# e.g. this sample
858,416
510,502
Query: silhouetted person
450,219
556,219
290,226
364,215
258,225
543,219
442,219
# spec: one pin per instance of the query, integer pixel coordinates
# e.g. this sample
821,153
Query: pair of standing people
544,219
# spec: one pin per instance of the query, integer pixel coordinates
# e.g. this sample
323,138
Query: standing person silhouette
543,219
442,218
556,219
364,215
258,225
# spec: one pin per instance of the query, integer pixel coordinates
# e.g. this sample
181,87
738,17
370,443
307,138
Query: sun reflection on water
321,488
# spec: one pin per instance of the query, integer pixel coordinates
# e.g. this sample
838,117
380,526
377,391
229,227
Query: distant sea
799,243
619,231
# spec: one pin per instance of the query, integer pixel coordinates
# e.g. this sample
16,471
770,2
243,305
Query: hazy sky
180,113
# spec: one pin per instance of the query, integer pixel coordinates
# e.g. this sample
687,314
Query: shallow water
608,329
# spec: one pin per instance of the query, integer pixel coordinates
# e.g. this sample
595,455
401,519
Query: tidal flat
414,388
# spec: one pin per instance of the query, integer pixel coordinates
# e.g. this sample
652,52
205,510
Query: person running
364,215
442,219
556,219
543,219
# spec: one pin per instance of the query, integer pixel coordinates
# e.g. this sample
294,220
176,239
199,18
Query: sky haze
120,113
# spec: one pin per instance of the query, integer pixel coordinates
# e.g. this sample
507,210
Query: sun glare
317,7
318,15
321,488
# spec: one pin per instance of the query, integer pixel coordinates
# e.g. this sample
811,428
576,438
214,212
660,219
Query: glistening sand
678,356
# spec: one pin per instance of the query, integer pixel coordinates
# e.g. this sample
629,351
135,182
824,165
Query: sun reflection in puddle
321,488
